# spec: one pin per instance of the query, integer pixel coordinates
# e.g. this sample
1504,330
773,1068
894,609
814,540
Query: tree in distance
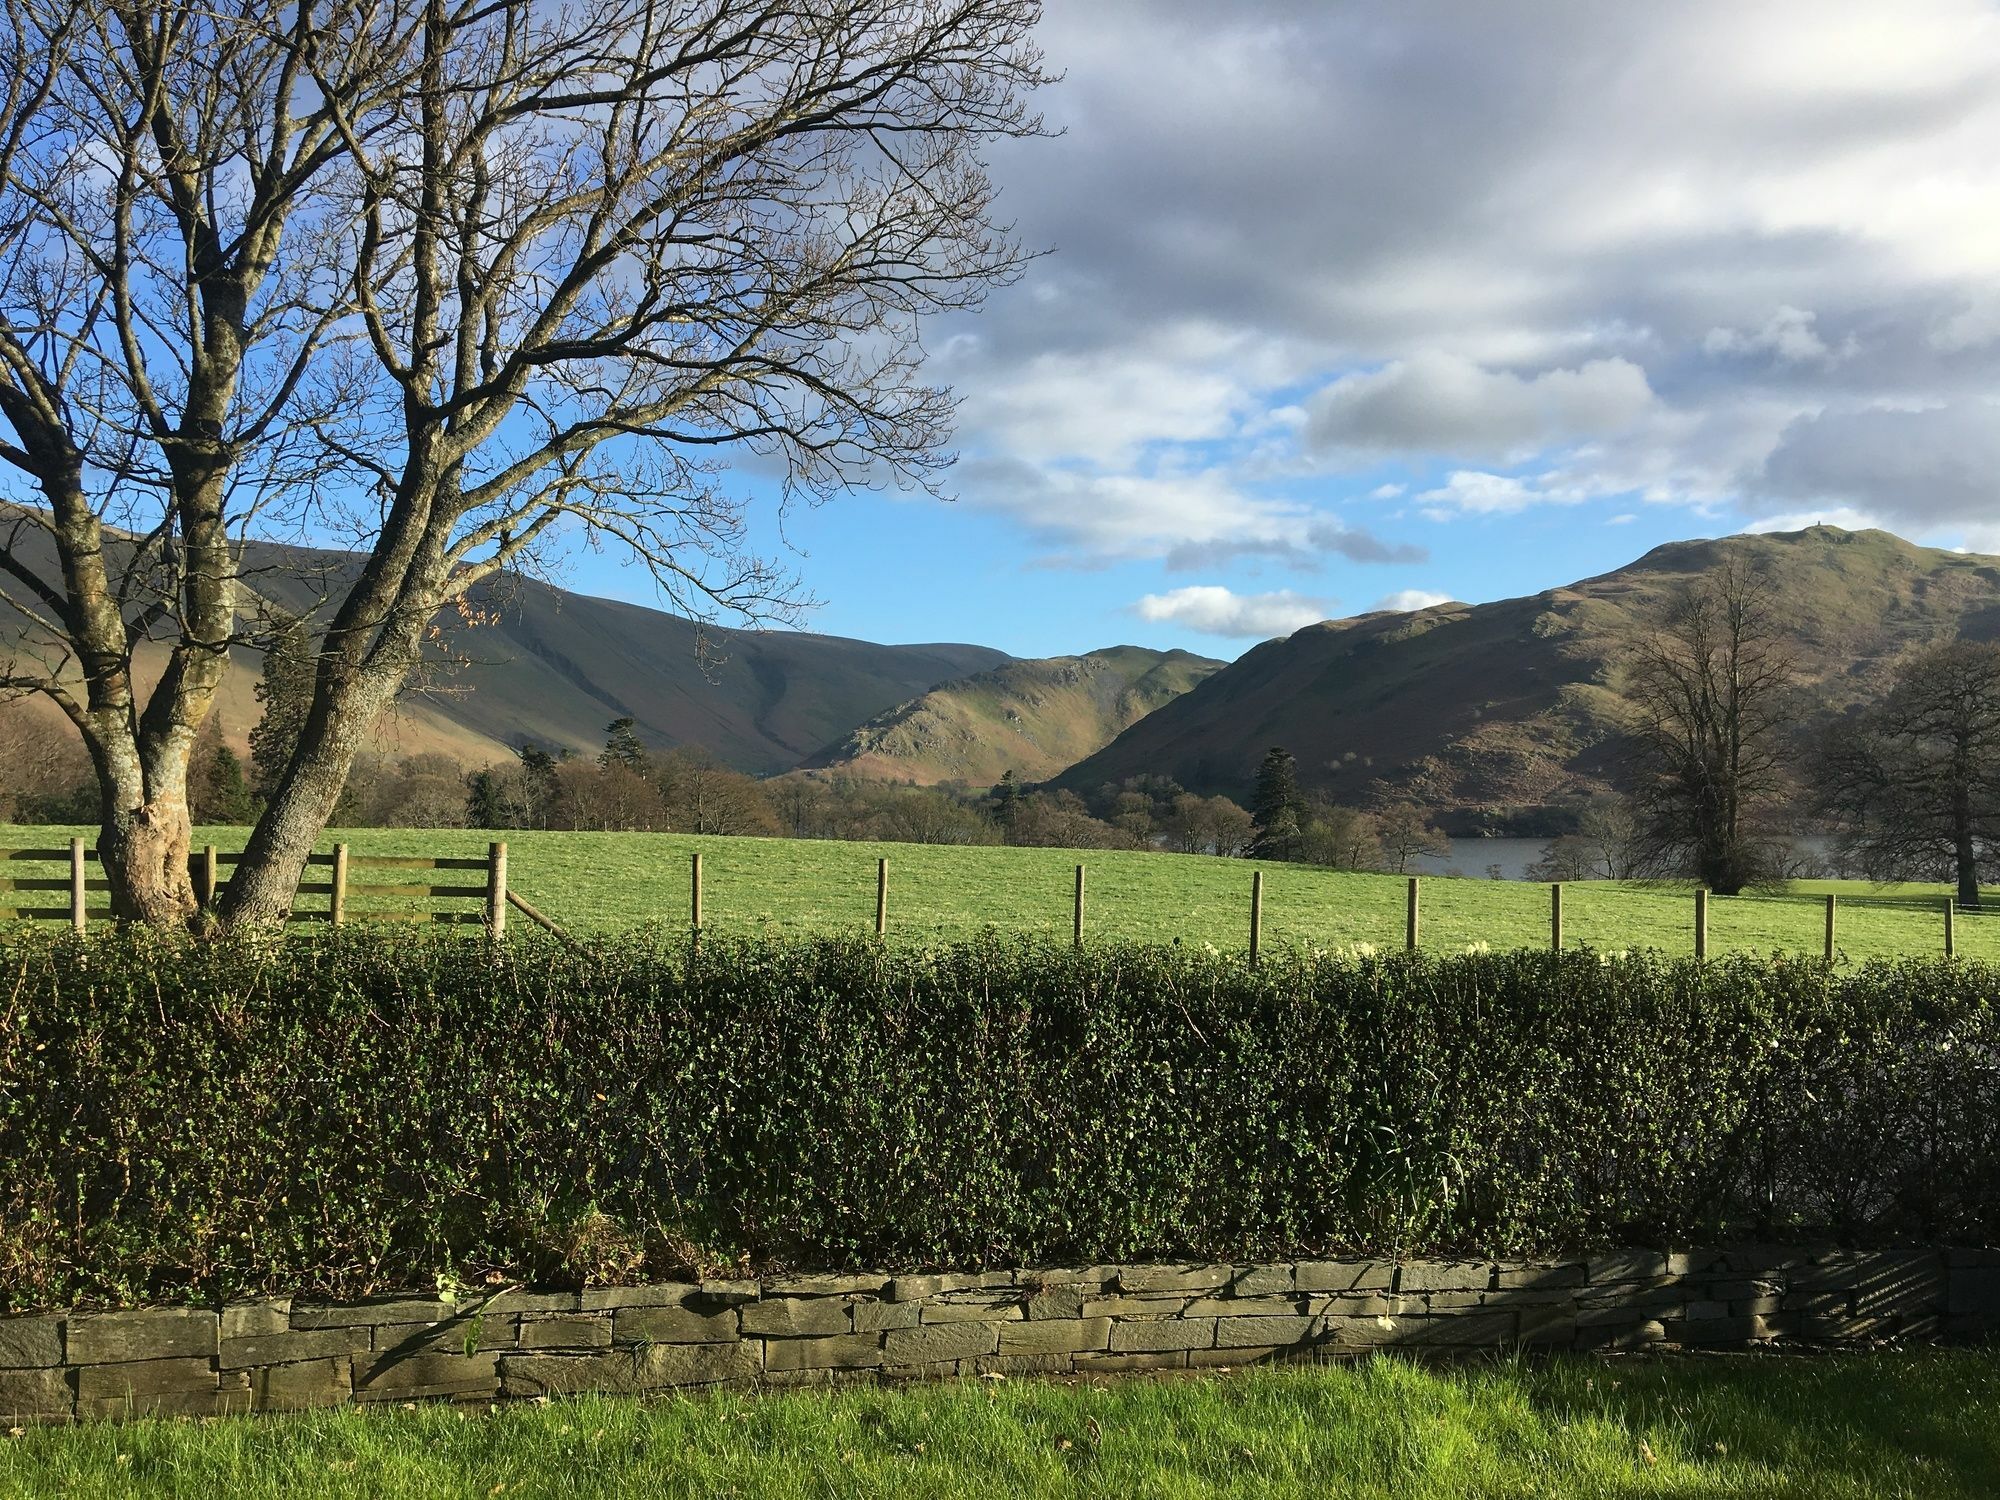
1710,694
1277,807
444,284
1913,784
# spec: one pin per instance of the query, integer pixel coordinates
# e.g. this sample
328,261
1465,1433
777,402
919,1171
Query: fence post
76,884
210,874
694,892
1555,916
882,897
1701,924
1830,899
1950,945
1411,920
1256,916
1079,906
336,898
496,889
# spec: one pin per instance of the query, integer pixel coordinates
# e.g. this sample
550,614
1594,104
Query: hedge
350,1113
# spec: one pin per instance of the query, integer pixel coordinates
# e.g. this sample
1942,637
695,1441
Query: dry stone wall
283,1354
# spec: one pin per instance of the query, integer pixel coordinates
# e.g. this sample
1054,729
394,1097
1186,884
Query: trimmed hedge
349,1113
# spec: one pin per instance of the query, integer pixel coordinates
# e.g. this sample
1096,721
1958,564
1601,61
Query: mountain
1500,715
1031,717
528,661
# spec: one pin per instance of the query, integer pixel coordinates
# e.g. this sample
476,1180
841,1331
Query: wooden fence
493,897
331,876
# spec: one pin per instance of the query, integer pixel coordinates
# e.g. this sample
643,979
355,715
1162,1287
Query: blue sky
1354,306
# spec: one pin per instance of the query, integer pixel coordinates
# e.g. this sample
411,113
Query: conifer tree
1277,812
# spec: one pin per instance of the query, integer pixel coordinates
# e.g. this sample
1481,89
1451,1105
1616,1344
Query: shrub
347,1113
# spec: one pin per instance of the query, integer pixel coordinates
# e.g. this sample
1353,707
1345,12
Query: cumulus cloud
1921,470
1215,610
1442,403
1403,601
1788,337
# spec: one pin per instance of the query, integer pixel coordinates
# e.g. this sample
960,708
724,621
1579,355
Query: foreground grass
599,882
1876,1426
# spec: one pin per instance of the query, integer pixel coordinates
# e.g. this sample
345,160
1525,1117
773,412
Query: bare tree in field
567,266
1913,784
1711,701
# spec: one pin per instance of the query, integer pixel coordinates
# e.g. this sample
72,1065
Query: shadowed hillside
1498,713
1031,717
544,664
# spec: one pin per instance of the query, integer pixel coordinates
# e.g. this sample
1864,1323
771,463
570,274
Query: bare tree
568,266
1913,785
1711,700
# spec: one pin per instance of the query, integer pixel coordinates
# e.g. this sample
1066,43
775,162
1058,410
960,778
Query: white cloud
1403,601
1215,610
1789,336
1441,403
1480,493
1920,470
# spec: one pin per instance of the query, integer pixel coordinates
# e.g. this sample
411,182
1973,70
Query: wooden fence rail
206,869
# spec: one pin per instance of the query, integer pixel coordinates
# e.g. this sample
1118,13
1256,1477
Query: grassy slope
1874,1427
1517,700
1034,718
603,882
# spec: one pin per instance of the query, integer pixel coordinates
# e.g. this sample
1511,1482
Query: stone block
1160,1305
827,1286
144,1378
1130,1364
406,1378
1174,1278
1057,1302
1692,1262
1444,1302
1754,1258
1443,1276
289,1348
295,1387
1729,1288
385,1310
1244,1307
259,1319
619,1372
1552,1326
876,1317
916,1288
653,1294
557,1331
673,1325
35,1395
728,1293
1716,1331
1627,1265
1261,1281
30,1343
796,1317
1357,1305
1528,1276
150,1335
1264,1333
1000,1305
1343,1275
1636,1298
1153,1337
943,1369
937,1341
517,1301
1055,1336
467,1335
1705,1312
214,1401
843,1351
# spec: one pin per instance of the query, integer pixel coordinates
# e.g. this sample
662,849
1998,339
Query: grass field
1870,1427
599,882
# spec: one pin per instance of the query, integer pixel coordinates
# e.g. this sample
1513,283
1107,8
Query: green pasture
600,882
1887,1426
